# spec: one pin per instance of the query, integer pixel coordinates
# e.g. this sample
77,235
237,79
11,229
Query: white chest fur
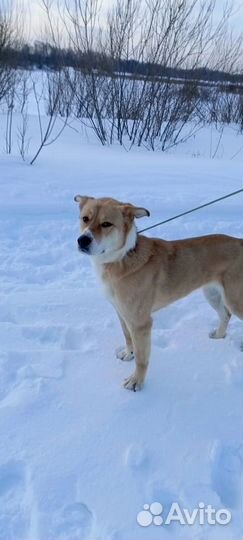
113,256
106,286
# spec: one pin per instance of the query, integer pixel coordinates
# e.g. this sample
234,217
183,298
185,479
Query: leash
193,210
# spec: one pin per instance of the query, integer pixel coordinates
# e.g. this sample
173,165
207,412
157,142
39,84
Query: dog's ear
140,212
82,199
132,212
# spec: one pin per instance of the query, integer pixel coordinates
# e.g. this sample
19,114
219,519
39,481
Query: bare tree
22,129
10,40
7,38
49,129
172,34
81,22
152,109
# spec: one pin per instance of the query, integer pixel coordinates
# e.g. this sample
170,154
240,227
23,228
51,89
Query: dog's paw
133,383
124,354
215,334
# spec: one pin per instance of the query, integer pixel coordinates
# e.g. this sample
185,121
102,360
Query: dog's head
108,231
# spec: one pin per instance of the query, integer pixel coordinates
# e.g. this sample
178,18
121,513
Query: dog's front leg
125,353
141,339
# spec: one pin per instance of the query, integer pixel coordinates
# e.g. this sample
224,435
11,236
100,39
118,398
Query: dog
141,275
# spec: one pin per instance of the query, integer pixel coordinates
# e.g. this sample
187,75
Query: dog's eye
106,224
85,219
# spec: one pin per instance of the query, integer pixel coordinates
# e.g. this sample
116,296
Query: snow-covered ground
79,455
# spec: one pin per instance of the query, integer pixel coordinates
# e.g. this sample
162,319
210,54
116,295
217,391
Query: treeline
42,55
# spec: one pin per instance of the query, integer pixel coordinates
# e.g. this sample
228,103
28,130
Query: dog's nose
84,241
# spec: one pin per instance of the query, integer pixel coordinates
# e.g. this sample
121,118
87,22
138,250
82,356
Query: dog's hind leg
125,353
233,289
215,296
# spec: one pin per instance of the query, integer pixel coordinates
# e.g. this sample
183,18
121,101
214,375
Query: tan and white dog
141,275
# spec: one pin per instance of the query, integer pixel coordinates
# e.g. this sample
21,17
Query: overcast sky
33,7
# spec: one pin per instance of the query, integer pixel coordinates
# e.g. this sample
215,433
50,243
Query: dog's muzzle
84,242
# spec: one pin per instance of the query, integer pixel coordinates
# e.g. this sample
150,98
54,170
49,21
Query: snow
79,455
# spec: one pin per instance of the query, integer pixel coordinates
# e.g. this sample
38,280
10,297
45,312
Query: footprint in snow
11,372
156,491
137,460
79,339
15,515
42,336
22,376
149,481
74,522
226,474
